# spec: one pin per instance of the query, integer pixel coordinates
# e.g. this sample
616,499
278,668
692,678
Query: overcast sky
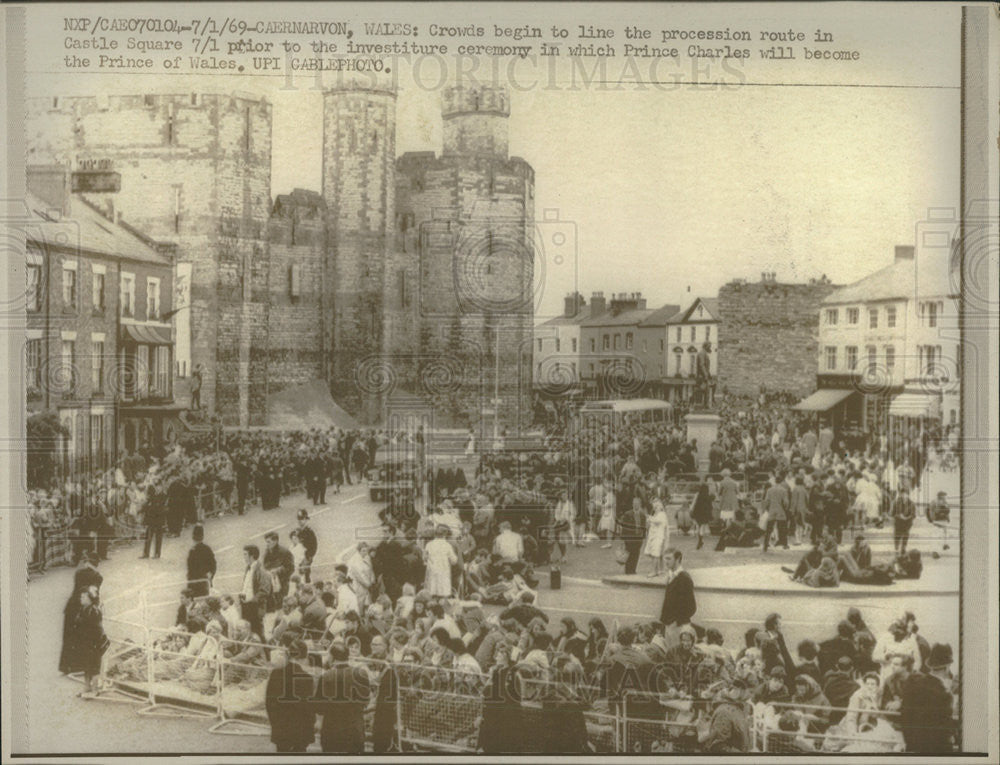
801,168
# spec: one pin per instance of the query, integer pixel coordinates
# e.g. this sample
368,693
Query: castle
403,275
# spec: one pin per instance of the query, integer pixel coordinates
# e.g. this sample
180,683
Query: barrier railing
805,728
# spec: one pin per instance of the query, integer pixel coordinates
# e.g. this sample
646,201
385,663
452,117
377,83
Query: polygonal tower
359,127
475,120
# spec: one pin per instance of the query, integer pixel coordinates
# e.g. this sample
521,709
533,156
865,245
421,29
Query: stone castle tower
410,275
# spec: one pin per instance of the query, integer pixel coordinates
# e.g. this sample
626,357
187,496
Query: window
694,334
96,435
890,358
618,340
142,371
930,359
162,370
831,357
539,345
873,318
931,314
128,295
677,367
539,372
558,344
295,282
852,357
593,344
852,315
97,367
572,341
678,334
152,299
872,359
661,344
68,364
831,315
34,292
708,334
890,316
606,342
33,364
628,341
98,295
661,370
572,367
69,287
592,369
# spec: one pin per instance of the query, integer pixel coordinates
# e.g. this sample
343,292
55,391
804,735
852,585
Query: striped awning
146,335
822,400
915,405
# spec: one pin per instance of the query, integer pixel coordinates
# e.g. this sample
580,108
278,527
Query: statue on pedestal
704,382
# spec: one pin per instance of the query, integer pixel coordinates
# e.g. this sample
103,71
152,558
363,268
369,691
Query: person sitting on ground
288,619
909,565
824,576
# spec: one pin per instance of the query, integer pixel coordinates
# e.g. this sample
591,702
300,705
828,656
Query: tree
45,434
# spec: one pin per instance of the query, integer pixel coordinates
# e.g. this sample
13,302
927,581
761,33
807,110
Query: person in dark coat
839,686
308,539
926,714
341,697
288,701
175,507
678,599
843,644
701,513
242,485
632,530
278,560
200,564
90,640
384,722
501,708
86,576
154,513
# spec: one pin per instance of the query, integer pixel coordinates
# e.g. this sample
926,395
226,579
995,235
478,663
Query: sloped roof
86,230
608,319
894,282
711,305
660,317
561,321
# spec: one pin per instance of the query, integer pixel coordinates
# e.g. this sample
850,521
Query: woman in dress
439,557
657,536
606,526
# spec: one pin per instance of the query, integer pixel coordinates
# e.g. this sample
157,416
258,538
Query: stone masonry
768,336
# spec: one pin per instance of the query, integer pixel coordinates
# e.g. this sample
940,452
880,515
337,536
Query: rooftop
87,230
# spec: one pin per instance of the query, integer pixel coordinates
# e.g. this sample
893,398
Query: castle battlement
477,99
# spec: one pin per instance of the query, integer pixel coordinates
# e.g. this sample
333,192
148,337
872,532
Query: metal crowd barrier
816,735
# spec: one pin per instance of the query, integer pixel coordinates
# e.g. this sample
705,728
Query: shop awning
915,405
145,335
822,400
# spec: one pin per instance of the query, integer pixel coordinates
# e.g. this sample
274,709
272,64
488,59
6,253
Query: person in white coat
439,557
657,536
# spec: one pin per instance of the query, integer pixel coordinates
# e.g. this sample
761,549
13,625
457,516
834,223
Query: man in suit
632,530
341,698
278,561
308,539
200,563
776,504
154,513
678,600
288,701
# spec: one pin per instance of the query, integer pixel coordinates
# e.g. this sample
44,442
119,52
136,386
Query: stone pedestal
702,427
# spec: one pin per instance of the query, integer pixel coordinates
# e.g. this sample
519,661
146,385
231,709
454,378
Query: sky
801,168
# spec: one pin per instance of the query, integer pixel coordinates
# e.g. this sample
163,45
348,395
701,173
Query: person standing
439,556
729,496
341,698
776,504
903,513
90,638
927,710
701,512
632,530
153,518
280,565
256,590
657,537
308,539
288,700
175,507
678,599
799,507
200,564
242,484
85,577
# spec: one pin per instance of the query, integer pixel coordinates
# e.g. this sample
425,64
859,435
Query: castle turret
475,120
359,128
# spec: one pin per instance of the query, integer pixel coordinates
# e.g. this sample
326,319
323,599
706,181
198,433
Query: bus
626,412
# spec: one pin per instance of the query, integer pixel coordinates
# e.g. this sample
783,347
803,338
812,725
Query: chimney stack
50,183
574,301
904,252
597,304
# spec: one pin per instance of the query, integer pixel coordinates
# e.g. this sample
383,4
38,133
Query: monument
702,422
